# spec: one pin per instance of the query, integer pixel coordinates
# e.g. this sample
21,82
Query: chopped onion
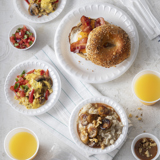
19,33
18,40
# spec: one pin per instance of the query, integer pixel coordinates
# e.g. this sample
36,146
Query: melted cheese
82,35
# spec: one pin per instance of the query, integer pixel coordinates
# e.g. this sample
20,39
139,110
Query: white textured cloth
73,91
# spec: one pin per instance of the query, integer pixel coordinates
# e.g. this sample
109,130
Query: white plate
27,66
73,124
86,70
21,7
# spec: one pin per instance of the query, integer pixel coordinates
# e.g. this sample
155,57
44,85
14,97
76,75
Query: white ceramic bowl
145,135
27,66
11,134
139,74
73,125
22,9
13,30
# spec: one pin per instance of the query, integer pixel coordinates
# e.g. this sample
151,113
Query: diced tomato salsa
23,38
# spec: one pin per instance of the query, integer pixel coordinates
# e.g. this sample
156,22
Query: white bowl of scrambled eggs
22,7
36,93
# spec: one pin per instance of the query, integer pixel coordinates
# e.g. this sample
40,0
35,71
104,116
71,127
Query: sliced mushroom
92,117
49,80
43,78
33,9
41,99
103,111
106,124
93,131
83,119
39,78
92,144
84,137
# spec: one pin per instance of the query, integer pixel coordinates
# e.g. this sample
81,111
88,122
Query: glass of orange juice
21,144
146,86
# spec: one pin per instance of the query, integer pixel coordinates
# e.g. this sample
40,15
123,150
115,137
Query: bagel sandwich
102,43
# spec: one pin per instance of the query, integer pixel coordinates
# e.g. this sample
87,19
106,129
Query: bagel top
108,45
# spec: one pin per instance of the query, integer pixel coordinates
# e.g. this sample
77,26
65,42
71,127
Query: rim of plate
30,65
93,79
73,124
35,19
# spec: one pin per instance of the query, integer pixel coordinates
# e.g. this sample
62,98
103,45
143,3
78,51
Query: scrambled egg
47,5
40,84
43,7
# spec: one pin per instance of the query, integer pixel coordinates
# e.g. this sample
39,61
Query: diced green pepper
25,36
21,87
30,43
16,85
16,44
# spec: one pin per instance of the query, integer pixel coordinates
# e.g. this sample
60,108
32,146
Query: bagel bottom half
108,45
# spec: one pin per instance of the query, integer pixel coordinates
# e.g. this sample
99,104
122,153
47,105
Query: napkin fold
73,91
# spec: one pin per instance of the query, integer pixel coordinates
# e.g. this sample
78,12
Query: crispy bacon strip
99,21
77,46
86,24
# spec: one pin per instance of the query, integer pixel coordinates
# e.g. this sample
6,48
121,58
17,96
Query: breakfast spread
145,148
41,7
33,88
98,125
22,38
102,43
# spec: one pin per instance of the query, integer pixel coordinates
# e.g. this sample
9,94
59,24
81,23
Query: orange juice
22,145
147,87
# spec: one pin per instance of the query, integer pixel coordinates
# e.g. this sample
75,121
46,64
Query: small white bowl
27,66
139,74
73,125
145,135
13,30
11,134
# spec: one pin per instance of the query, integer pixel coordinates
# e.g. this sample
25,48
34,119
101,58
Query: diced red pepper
12,39
25,28
32,38
27,44
17,95
28,85
27,1
47,94
42,72
12,88
18,35
22,32
47,73
22,93
25,82
31,71
31,96
24,40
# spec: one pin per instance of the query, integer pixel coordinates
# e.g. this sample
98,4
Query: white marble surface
119,89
